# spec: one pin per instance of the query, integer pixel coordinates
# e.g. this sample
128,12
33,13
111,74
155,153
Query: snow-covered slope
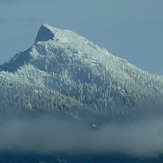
18,96
62,61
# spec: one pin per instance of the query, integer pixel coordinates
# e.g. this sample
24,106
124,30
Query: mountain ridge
61,60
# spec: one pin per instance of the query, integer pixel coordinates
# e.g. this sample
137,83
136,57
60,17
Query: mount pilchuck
64,72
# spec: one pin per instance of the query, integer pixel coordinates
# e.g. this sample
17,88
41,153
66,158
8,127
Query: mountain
66,71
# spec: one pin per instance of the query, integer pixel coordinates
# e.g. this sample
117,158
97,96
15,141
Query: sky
130,29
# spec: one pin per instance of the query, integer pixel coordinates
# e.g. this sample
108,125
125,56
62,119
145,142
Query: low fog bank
47,134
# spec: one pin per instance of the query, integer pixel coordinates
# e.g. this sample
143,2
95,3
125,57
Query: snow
63,61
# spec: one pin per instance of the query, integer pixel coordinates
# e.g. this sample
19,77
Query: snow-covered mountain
64,68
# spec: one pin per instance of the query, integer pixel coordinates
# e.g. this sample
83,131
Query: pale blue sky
130,29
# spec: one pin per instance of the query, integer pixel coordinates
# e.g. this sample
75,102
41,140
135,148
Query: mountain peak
75,67
45,33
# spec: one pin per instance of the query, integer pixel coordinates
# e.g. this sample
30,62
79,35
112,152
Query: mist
46,134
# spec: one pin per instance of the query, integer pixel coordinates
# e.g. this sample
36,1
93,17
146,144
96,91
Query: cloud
47,134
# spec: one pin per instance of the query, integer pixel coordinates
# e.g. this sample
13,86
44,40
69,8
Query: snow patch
63,40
